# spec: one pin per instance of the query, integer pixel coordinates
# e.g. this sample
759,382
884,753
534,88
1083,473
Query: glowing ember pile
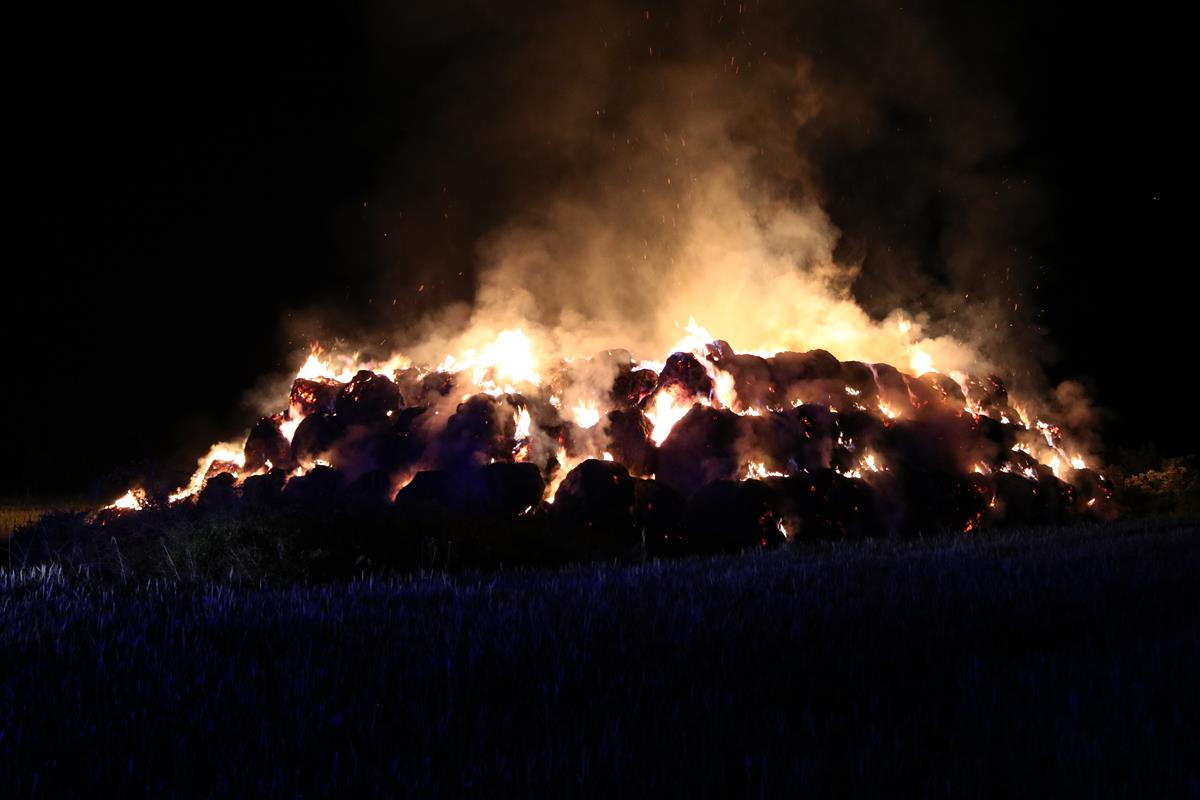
709,447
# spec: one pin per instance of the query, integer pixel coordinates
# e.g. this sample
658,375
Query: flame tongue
669,406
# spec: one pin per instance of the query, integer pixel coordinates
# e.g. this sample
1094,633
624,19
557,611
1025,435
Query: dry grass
14,515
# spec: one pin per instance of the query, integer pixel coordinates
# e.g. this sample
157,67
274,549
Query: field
1021,662
14,515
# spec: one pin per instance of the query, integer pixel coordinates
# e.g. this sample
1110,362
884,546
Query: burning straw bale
951,392
754,384
685,373
631,387
311,396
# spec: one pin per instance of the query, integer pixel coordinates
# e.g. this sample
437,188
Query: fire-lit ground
1046,662
778,445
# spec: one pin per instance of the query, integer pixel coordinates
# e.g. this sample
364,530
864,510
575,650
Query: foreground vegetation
1027,661
15,515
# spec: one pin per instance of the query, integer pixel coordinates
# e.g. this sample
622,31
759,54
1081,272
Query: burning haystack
710,449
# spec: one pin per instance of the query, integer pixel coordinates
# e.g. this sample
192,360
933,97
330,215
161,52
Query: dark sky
191,180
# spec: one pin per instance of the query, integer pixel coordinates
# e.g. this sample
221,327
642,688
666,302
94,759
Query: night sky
192,184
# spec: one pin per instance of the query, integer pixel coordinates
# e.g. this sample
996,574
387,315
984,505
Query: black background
188,180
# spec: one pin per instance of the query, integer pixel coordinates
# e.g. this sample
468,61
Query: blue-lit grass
1020,662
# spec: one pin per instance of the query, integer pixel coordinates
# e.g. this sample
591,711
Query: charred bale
772,439
995,439
938,501
402,443
862,429
730,516
367,399
935,442
990,394
542,413
616,355
1094,493
952,393
924,394
428,491
818,432
317,488
481,429
631,387
753,384
718,351
892,389
369,494
1059,498
314,436
507,490
597,494
579,442
420,389
628,439
265,489
658,517
1020,462
857,434
358,450
684,373
267,443
825,505
785,441
220,491
811,377
860,383
1016,500
602,367
701,448
438,384
789,367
